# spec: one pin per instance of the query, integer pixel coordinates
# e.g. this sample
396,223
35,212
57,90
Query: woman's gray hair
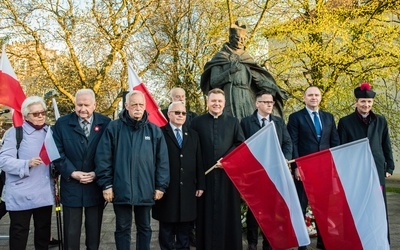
84,92
30,101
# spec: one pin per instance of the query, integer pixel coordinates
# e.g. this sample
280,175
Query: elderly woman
29,187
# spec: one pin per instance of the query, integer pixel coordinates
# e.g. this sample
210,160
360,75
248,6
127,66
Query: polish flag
11,93
49,151
259,171
343,190
55,107
155,115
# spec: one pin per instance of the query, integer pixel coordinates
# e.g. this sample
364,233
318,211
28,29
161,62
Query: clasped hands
83,177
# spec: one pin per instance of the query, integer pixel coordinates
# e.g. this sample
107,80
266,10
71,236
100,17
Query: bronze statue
234,70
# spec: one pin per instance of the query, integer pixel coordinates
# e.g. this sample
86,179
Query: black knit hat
364,91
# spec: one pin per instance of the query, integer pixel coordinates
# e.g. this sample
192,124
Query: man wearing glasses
250,125
177,210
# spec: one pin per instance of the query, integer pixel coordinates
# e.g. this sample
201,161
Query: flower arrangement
310,222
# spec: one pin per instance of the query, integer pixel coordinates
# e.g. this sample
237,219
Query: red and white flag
155,115
55,107
49,151
11,93
259,171
343,190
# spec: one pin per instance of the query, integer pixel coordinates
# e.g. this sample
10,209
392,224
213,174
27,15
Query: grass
393,190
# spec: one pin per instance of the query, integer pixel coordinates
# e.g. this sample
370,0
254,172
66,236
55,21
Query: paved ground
107,242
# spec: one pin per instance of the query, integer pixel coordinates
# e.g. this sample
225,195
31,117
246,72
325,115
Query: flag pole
209,170
212,168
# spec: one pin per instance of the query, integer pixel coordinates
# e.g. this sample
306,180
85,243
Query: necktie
317,125
86,128
263,122
178,137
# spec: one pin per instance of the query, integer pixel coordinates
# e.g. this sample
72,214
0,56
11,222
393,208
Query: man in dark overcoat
250,125
76,136
176,211
218,224
363,122
302,127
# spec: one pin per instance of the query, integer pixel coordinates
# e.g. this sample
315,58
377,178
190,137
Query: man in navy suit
250,125
76,136
311,130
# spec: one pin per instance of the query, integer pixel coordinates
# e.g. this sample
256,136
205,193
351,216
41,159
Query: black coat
179,203
351,128
250,125
77,154
218,224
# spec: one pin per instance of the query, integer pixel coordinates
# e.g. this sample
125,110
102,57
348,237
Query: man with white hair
132,169
76,136
177,210
179,95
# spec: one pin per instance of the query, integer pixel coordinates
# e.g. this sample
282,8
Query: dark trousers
167,234
304,203
123,225
3,209
73,223
252,231
19,227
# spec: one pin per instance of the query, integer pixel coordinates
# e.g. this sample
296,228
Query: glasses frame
179,112
36,114
267,102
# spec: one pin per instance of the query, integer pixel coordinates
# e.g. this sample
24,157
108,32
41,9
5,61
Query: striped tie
86,128
178,137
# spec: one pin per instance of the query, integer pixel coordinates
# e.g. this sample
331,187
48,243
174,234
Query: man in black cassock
218,224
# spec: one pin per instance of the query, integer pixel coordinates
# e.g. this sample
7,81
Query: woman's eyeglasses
36,114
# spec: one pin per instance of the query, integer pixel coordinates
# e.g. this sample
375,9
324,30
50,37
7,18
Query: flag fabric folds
155,115
49,151
259,171
343,190
55,107
11,93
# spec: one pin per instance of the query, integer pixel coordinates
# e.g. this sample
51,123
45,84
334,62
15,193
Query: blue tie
178,137
317,125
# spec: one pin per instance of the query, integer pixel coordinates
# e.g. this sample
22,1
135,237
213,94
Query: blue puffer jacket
132,157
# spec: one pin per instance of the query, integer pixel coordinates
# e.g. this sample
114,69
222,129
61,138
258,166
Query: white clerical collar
214,116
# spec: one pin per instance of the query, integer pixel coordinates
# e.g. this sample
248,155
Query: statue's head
237,35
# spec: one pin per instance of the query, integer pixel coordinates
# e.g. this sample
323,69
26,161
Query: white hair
30,101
